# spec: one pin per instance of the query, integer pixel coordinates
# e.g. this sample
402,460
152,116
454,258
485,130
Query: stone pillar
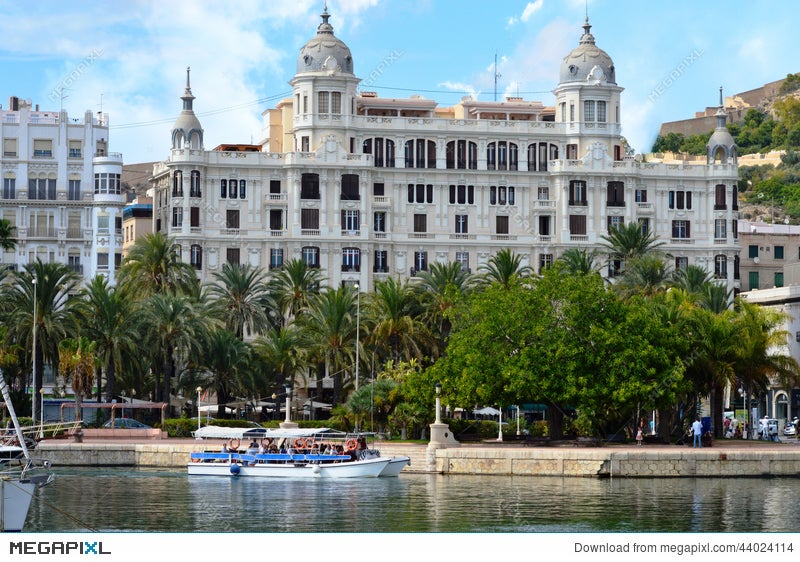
441,436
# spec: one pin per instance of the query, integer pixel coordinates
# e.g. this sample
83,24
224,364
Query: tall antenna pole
496,76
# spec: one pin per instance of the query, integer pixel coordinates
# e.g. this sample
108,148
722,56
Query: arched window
382,151
461,155
196,256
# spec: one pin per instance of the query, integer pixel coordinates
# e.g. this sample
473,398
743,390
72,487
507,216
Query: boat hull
371,468
16,500
395,466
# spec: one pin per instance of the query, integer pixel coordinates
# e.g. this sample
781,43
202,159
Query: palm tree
7,240
227,358
442,287
76,361
505,267
691,278
177,325
645,275
392,316
629,241
293,285
112,323
239,298
714,297
580,261
329,325
57,313
283,350
154,265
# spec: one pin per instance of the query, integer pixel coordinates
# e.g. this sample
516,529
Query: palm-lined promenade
600,356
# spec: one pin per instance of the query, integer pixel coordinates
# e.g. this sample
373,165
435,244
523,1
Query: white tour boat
290,453
20,475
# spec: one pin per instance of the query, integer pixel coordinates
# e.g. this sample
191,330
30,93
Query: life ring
300,443
233,444
351,444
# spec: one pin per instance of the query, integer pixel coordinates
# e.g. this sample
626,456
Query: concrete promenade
724,459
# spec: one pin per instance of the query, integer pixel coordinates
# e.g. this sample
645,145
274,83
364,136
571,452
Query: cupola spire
187,96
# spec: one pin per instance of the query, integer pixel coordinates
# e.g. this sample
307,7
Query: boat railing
50,429
268,457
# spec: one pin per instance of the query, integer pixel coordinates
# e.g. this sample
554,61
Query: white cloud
530,9
466,89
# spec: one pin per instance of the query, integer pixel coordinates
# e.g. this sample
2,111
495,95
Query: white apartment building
61,189
366,187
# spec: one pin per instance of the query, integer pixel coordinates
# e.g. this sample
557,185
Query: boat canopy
217,432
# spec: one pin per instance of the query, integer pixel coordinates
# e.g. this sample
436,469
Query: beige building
137,221
366,187
768,250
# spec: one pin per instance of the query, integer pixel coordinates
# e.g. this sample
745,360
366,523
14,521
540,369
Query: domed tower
324,89
721,147
588,99
187,131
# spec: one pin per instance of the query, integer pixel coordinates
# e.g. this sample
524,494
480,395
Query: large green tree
240,299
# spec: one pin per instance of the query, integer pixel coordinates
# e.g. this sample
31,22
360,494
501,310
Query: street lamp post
518,433
41,415
288,404
35,323
500,423
199,390
438,403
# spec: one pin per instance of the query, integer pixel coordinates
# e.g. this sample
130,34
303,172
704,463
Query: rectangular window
420,262
779,253
752,251
463,259
232,255
276,219
43,148
681,262
641,196
601,112
379,221
74,190
102,260
588,110
351,220
232,219
194,217
223,189
194,184
275,258
310,256
381,264
309,186
779,278
543,194
753,280
233,189
572,152
336,102
10,148
720,228
74,149
616,194
322,102
102,224
9,188
613,222
378,189
577,225
420,223
196,256
544,225
680,229
577,193
309,219
502,224
461,224
350,188
645,224
274,187
545,262
571,112
242,189
351,259
177,217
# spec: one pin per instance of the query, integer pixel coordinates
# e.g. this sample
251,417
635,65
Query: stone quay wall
598,462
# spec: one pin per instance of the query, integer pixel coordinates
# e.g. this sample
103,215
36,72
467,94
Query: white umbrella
487,411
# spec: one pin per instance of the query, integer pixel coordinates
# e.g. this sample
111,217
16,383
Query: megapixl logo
56,547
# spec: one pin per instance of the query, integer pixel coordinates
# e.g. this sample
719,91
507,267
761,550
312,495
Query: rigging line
203,113
377,87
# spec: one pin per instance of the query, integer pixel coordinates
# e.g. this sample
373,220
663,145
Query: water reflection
150,500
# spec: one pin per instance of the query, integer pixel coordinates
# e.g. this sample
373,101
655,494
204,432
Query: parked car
126,423
790,428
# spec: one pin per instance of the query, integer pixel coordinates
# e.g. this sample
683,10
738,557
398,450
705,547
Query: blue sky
129,58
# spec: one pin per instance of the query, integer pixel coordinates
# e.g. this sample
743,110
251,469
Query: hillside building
366,187
61,189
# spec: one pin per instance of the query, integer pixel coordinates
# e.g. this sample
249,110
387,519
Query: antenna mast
496,76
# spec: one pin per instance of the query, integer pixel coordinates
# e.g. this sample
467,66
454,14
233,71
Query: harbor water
151,500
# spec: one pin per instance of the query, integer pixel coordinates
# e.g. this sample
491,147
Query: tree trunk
111,380
556,421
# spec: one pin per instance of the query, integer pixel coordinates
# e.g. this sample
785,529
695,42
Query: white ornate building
367,187
61,189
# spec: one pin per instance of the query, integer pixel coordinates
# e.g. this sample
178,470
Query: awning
486,411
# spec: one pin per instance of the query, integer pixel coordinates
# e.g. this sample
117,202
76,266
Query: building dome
325,52
587,62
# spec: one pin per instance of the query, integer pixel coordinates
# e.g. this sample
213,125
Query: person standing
639,437
697,431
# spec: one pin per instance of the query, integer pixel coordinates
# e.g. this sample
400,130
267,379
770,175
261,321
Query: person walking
639,438
697,431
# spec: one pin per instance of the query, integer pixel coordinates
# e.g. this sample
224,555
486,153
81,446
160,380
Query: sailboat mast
14,420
